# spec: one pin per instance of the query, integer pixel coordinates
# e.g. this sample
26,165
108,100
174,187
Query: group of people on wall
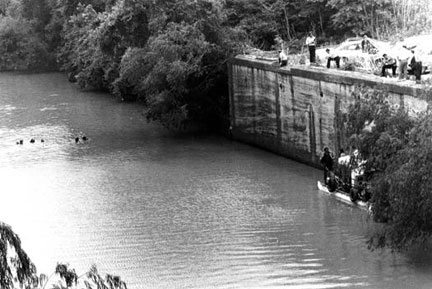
406,58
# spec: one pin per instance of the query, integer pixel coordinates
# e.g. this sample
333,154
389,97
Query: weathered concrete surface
298,111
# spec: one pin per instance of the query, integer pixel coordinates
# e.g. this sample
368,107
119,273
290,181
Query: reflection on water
166,211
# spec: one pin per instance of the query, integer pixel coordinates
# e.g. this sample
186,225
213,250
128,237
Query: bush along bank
397,149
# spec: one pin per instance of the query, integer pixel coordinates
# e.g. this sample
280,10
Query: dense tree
95,42
4,6
21,48
360,17
257,19
174,63
263,20
11,8
69,7
397,147
181,72
405,193
38,11
410,17
80,53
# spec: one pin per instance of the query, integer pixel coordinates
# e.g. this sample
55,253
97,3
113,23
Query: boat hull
343,197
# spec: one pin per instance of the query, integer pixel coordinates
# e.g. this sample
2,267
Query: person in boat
343,168
327,163
356,165
360,189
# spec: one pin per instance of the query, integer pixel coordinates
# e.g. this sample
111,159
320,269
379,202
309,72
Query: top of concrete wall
332,75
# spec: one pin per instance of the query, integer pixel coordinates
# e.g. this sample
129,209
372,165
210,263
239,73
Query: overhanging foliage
398,150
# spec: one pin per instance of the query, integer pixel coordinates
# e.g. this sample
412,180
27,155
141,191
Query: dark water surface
166,211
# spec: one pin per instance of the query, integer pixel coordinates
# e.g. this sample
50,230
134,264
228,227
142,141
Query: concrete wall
298,111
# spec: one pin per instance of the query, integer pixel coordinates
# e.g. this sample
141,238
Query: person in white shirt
403,56
332,57
310,42
283,58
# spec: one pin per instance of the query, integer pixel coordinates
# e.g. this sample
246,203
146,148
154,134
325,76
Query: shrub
397,148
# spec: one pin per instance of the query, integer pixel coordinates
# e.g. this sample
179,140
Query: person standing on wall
403,57
357,166
365,44
310,42
416,65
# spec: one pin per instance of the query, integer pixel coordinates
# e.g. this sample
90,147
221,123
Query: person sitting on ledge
332,57
283,58
388,62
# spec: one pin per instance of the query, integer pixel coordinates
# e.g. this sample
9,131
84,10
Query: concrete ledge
357,78
332,75
259,64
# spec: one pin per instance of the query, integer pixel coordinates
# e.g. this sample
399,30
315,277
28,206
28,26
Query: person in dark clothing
365,44
416,66
388,62
327,162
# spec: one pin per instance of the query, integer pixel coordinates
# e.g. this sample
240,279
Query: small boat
344,197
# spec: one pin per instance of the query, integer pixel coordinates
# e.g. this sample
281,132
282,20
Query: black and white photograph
215,144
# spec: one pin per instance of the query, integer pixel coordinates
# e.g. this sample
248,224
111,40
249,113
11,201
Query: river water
169,211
